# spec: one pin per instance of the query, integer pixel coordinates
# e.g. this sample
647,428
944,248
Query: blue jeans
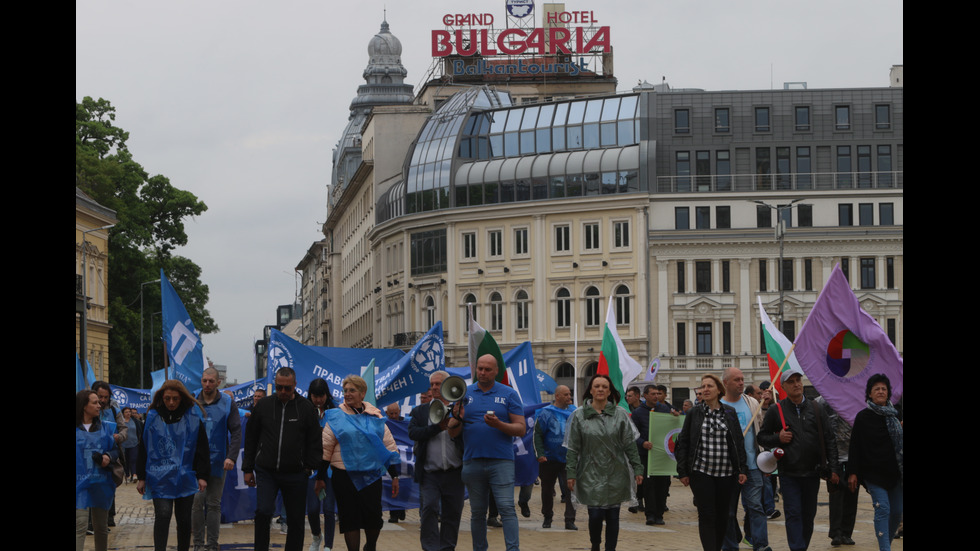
481,476
800,506
768,494
314,506
756,530
888,512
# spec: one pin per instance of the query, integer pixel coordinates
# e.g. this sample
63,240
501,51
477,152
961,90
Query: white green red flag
482,342
777,345
613,358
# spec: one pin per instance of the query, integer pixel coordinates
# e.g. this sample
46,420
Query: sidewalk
134,529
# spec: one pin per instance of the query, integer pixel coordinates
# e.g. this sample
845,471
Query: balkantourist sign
565,34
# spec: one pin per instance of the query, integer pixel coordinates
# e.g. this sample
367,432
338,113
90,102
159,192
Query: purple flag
840,346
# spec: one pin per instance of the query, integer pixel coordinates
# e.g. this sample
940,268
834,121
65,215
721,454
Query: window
622,305
702,166
763,168
469,245
842,117
562,239
789,329
682,218
890,272
885,176
430,311
702,218
680,276
723,217
883,117
890,322
763,276
886,214
784,176
520,241
866,214
804,176
844,166
428,253
762,119
784,213
726,338
496,247
723,168
722,119
864,176
592,318
786,274
522,310
681,339
682,121
702,276
763,216
802,118
845,268
808,274
683,170
867,273
564,308
726,275
704,339
468,300
845,214
496,312
591,236
621,234
806,215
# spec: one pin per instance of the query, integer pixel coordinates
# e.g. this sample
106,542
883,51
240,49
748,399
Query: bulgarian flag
777,346
481,342
614,361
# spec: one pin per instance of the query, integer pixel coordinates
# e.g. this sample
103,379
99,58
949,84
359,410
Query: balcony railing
781,182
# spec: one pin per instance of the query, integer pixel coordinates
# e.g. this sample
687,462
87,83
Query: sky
242,102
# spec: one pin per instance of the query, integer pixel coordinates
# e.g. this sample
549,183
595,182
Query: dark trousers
551,472
445,489
655,489
293,488
713,495
179,508
843,507
598,515
800,507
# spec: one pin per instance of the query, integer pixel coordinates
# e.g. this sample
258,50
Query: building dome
384,45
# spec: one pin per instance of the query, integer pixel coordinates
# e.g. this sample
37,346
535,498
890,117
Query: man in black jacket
803,431
282,446
438,471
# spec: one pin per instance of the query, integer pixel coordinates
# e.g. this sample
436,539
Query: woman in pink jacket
360,448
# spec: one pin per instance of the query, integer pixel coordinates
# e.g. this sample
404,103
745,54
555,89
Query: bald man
549,438
493,416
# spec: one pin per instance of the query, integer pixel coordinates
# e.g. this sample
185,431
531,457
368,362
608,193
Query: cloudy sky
241,102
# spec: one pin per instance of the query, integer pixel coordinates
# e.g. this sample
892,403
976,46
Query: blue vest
170,455
552,421
216,425
361,440
93,484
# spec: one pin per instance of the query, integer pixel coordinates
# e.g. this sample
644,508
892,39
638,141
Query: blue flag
184,346
522,374
308,365
410,375
83,379
545,382
135,398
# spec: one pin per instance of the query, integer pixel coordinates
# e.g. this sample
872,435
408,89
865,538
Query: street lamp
83,330
780,235
141,327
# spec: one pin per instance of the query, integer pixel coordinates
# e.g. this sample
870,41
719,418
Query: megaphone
766,462
452,390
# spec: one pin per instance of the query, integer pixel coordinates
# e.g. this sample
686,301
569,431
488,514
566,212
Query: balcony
781,182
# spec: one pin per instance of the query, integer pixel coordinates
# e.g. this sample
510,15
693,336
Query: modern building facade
538,209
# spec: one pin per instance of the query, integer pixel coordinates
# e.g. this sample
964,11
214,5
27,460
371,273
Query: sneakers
774,514
525,510
315,544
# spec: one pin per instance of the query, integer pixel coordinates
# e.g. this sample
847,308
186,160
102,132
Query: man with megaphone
439,463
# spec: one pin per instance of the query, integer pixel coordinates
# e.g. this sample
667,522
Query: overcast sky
241,102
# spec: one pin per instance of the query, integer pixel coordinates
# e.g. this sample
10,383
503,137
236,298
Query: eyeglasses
284,388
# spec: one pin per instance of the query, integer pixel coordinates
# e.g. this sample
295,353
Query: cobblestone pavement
134,529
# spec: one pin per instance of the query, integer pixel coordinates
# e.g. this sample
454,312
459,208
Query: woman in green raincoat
602,459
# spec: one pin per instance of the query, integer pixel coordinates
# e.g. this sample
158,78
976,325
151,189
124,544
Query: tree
151,215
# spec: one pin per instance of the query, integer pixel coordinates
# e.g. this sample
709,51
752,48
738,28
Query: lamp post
141,327
780,235
83,329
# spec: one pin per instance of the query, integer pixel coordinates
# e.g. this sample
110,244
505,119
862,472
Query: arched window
496,312
622,305
467,300
430,311
592,300
522,310
564,308
565,375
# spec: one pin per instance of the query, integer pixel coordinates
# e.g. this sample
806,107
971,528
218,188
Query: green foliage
151,215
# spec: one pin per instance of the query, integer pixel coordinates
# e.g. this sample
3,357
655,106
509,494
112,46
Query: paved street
134,529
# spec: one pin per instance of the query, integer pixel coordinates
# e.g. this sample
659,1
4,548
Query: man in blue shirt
493,416
549,437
